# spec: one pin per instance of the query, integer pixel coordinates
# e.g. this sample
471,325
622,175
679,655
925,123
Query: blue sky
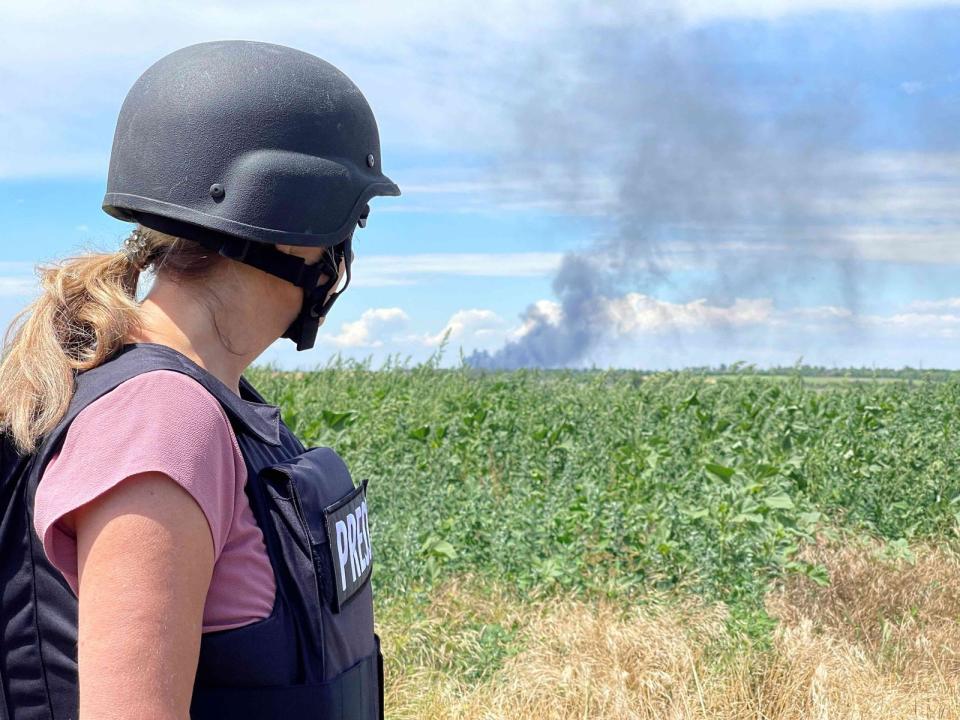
748,180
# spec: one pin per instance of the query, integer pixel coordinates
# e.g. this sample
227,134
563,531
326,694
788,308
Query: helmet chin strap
316,303
293,269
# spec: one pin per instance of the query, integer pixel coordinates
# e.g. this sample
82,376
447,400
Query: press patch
350,549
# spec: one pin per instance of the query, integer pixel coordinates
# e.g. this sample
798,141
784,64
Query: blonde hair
85,311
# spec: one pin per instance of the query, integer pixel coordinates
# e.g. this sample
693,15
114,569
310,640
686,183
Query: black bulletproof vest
315,656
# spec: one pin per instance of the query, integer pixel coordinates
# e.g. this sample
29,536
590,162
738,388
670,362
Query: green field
624,489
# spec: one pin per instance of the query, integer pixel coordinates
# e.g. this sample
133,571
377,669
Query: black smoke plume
646,125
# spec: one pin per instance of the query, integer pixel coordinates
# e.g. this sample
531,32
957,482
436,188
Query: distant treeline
804,371
818,371
403,365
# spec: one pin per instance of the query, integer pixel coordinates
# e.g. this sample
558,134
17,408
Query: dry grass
881,642
903,614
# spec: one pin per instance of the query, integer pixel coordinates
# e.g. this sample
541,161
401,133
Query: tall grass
880,643
613,544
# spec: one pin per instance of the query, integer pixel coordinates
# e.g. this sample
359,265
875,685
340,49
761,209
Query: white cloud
635,315
468,325
480,189
897,207
649,332
652,332
386,270
466,186
17,286
904,245
638,313
934,306
410,59
67,66
919,325
369,330
700,11
922,319
383,328
822,312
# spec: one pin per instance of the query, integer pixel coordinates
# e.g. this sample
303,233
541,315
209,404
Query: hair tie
134,248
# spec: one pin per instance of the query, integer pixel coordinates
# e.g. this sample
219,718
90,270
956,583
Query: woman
190,555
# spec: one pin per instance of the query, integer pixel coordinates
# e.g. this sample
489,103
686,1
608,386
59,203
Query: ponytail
84,314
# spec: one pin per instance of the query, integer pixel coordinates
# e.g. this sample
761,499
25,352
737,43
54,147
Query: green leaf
816,572
819,574
549,569
420,433
434,547
766,471
691,399
443,549
779,502
338,420
721,471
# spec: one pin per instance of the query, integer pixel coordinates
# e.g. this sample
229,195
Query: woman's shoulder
157,391
157,406
156,414
159,421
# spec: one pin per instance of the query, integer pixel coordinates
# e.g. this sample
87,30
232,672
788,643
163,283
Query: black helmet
243,145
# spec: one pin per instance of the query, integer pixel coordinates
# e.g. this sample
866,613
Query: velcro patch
349,540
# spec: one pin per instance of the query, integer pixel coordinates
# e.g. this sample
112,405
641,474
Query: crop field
677,545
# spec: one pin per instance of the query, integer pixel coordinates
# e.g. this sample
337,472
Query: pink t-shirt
163,421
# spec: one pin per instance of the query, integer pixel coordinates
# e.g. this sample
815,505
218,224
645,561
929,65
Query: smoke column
644,124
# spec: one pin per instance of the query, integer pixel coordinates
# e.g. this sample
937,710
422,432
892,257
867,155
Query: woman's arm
145,554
